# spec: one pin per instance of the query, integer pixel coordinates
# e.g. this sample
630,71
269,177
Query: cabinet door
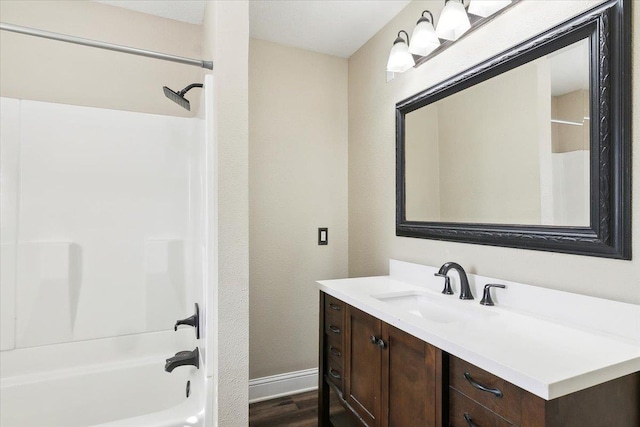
410,374
363,360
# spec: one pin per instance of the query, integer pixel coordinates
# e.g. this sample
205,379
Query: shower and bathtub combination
105,235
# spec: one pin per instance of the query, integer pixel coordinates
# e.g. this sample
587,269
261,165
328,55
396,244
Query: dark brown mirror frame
608,29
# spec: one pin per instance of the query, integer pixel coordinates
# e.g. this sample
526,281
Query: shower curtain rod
102,45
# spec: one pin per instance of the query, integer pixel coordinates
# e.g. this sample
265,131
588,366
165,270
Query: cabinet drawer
333,306
464,412
498,395
333,327
335,347
335,373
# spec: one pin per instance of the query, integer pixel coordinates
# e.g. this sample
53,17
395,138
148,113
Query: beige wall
226,40
372,239
45,70
297,183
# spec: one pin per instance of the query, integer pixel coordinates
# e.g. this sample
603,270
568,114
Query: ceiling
334,27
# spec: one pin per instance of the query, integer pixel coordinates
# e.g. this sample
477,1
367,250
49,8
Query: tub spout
183,358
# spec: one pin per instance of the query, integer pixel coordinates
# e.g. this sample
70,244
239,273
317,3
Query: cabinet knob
334,329
334,307
377,341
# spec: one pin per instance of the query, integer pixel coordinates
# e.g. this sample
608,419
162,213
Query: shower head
178,97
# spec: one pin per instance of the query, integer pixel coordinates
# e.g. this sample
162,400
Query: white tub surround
103,223
548,342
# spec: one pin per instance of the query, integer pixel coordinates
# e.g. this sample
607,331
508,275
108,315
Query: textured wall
372,239
46,70
297,183
226,38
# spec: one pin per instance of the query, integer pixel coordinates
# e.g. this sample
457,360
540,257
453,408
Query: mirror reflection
513,149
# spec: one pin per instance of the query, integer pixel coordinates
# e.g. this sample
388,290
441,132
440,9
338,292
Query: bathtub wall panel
9,177
164,283
103,216
44,307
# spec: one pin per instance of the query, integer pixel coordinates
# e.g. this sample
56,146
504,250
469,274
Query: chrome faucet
465,291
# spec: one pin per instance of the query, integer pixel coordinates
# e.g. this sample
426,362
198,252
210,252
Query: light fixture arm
400,39
424,18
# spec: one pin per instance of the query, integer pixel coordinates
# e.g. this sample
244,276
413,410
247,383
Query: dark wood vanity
386,377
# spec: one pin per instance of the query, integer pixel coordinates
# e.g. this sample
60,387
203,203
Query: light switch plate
323,236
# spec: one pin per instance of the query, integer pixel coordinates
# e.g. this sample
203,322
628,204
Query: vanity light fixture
400,60
485,8
424,39
453,21
429,39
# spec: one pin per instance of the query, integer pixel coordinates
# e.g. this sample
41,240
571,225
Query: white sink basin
426,306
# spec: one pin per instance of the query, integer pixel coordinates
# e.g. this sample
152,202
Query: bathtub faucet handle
193,321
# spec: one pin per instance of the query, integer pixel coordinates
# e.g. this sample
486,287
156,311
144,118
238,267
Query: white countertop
527,338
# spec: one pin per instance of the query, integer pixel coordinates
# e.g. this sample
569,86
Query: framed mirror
530,149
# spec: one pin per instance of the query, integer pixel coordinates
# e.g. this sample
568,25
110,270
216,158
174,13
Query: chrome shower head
178,97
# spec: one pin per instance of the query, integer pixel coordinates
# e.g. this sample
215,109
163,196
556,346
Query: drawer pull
495,391
334,374
334,307
334,351
469,421
334,329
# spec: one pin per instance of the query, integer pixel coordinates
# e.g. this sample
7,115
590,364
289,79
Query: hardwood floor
300,410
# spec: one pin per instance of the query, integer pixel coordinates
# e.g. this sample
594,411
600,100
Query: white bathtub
133,391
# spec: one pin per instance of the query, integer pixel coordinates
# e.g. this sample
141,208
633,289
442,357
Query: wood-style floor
300,410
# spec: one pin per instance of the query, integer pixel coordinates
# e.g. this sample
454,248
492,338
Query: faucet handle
193,321
447,283
486,296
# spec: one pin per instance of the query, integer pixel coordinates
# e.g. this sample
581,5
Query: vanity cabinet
386,377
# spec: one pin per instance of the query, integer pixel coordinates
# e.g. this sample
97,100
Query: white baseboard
266,388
